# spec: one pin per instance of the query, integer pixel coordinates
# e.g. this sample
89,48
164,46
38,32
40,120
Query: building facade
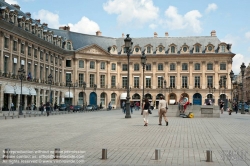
189,66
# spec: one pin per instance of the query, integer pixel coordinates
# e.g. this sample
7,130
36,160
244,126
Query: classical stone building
175,65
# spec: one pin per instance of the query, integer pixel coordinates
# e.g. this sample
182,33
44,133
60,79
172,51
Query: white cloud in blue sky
211,7
11,1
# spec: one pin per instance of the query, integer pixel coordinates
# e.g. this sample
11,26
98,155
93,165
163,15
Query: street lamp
231,74
68,83
242,68
128,47
212,90
21,74
84,87
143,62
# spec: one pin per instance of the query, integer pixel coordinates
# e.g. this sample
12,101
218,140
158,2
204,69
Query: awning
123,96
25,90
68,95
9,89
171,101
32,91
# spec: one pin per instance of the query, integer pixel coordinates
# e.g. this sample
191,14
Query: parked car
62,107
89,108
246,107
96,107
77,108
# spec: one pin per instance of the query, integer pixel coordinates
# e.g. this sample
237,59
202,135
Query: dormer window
197,48
148,49
210,48
137,49
68,45
125,50
172,49
184,49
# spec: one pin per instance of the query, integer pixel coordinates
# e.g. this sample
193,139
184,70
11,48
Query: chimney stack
16,6
155,34
28,14
45,24
66,28
122,35
166,34
213,33
38,21
98,33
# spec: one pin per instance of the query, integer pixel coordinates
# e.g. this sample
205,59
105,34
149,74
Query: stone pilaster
203,83
178,79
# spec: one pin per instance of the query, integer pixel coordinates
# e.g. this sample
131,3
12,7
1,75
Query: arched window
184,66
92,65
160,66
113,96
81,64
197,66
172,67
136,67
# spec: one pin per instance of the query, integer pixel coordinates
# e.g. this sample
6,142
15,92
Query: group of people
232,106
182,104
47,108
162,111
133,106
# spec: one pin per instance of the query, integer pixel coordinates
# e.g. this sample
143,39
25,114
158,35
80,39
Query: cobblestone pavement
128,142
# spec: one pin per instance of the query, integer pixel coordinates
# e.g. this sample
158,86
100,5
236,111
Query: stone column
97,74
203,83
108,75
87,74
178,79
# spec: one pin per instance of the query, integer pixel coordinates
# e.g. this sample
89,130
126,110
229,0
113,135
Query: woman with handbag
145,112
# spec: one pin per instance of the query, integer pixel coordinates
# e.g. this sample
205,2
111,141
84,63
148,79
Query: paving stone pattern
128,142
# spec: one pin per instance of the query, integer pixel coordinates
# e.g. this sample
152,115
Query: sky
141,18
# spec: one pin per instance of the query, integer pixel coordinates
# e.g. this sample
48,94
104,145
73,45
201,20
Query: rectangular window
60,76
47,73
102,80
35,53
81,79
160,82
209,66
91,80
223,49
124,82
68,63
222,66
6,64
6,42
113,66
149,50
124,67
136,67
51,59
223,81
14,45
160,67
209,81
102,65
29,68
29,51
172,81
197,49
148,82
41,72
197,81
41,55
14,68
92,65
47,57
113,81
148,67
184,82
56,75
125,50
68,78
136,82
22,48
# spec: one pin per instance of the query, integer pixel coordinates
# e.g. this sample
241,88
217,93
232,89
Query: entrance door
92,98
197,98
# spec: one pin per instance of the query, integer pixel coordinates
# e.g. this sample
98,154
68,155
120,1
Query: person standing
12,106
131,106
145,107
47,108
124,107
229,107
221,107
162,111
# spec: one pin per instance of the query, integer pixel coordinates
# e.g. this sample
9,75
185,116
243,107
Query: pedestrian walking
12,106
236,107
131,106
47,108
137,106
229,109
221,107
163,111
144,111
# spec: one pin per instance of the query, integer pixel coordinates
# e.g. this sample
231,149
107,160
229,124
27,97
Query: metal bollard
57,153
157,154
104,154
6,153
209,156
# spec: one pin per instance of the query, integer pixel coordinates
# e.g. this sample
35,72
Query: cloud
152,26
238,60
11,1
234,40
48,17
85,26
247,35
132,12
189,21
211,7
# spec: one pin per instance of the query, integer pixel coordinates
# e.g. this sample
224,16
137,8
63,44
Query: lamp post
231,74
128,46
21,74
242,68
84,87
69,82
143,62
212,90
